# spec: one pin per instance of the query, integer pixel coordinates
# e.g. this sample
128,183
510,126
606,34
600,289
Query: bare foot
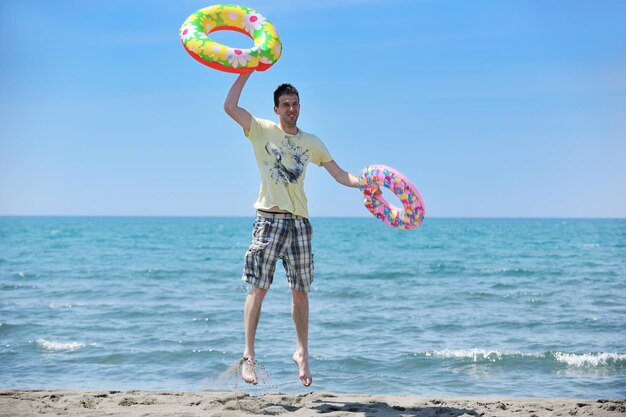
302,360
248,370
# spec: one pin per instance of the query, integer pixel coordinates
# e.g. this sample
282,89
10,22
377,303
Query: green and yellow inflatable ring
265,52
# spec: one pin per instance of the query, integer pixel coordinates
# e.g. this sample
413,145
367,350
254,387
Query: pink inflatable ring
373,178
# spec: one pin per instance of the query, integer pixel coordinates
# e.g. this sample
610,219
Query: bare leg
251,316
300,314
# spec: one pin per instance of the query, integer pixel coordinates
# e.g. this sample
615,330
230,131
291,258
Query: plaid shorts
281,236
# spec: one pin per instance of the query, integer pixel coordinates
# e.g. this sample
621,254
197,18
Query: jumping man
281,229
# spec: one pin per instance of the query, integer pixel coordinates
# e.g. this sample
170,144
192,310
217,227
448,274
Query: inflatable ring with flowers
373,178
265,52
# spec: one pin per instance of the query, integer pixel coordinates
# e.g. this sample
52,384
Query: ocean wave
588,245
55,306
54,346
591,360
5,327
583,360
515,272
7,286
474,354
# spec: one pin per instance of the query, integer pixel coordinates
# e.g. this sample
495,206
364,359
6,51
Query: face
288,110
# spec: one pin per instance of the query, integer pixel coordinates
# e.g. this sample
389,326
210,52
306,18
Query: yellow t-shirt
282,160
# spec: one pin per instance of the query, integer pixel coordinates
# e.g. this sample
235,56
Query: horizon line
197,216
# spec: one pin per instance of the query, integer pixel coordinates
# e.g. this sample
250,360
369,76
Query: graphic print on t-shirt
289,161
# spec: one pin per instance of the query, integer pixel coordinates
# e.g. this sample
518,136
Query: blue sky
491,108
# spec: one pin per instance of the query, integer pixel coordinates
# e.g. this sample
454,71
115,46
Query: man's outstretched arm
341,176
231,105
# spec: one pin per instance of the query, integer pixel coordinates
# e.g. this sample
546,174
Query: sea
456,307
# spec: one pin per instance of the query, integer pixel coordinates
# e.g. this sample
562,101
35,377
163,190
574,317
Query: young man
282,229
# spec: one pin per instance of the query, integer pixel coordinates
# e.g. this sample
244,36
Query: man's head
284,89
287,106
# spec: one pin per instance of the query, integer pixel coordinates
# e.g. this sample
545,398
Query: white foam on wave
589,359
588,245
57,306
51,345
474,354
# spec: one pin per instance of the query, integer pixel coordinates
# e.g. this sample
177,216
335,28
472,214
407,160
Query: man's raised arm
231,105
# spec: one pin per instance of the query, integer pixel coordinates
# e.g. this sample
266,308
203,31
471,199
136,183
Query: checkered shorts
285,237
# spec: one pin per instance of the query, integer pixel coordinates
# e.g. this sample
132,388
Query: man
281,230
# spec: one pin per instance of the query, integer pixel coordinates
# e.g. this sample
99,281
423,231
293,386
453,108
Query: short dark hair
285,89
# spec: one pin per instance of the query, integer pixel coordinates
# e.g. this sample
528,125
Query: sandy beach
172,403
